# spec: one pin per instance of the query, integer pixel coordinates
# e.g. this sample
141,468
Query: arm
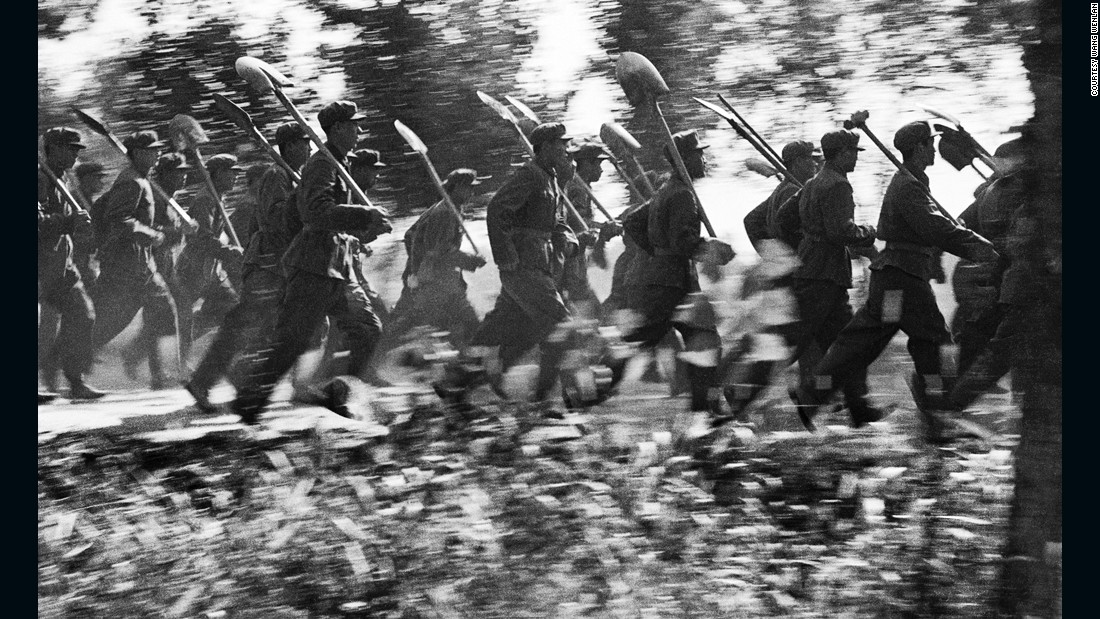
683,224
938,231
119,215
204,212
756,223
318,202
789,222
839,218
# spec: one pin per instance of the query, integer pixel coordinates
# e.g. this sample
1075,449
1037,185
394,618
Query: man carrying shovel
59,282
900,296
124,220
275,222
319,264
202,270
434,291
526,222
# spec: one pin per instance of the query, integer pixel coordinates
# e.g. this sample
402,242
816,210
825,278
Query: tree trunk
1031,576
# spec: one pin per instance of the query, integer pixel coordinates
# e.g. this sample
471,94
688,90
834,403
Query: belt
912,247
541,235
664,251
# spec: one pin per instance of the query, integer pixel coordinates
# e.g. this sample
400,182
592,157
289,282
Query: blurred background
793,69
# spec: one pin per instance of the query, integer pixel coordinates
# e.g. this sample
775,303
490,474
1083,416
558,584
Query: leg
159,315
74,338
253,314
308,298
360,325
992,364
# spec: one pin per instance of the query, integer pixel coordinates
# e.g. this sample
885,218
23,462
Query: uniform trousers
254,314
657,306
71,349
994,361
119,294
896,300
308,299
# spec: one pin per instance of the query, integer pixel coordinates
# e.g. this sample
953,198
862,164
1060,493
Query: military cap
254,173
799,148
461,176
172,161
1011,148
62,136
337,111
142,139
222,161
589,150
688,141
89,167
288,132
912,134
548,131
836,141
366,157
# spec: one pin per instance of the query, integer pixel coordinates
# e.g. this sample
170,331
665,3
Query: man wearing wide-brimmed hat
320,268
59,282
126,228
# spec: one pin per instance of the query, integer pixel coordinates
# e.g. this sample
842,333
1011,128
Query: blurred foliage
422,61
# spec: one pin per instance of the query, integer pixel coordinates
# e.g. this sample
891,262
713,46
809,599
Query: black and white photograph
623,309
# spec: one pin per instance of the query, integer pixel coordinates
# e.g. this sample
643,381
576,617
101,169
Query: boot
863,413
45,397
202,397
79,390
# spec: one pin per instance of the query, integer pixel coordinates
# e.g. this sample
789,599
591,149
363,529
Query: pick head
413,140
615,135
714,108
941,114
260,76
639,79
497,106
858,119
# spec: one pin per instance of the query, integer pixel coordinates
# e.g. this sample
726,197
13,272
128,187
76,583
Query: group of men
304,244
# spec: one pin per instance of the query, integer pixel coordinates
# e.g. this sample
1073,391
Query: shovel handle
344,174
629,181
65,193
217,197
681,168
889,155
595,200
447,198
275,156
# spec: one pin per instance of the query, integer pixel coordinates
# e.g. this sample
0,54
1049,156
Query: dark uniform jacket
433,245
522,218
202,258
913,228
55,229
124,226
323,246
275,220
827,212
762,222
673,230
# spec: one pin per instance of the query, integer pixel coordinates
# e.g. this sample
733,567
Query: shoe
81,391
45,397
863,414
249,413
806,412
202,398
